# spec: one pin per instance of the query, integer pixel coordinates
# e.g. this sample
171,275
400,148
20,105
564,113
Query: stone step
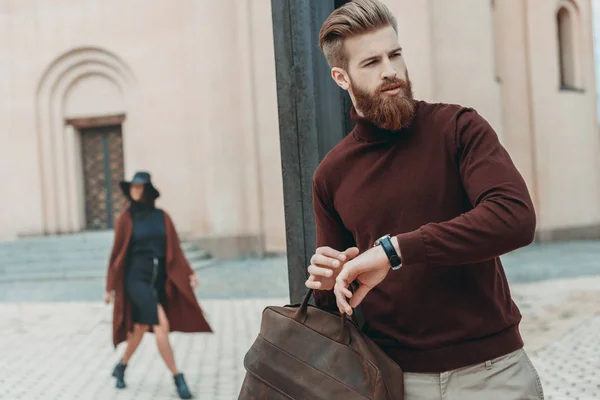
88,244
95,237
69,263
35,256
77,256
57,246
61,274
74,238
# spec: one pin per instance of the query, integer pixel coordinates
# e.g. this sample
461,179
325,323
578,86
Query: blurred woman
150,280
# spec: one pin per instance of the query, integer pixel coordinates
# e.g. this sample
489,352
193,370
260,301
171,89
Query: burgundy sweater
450,192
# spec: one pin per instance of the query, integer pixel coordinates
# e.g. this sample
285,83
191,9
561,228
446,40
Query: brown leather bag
306,353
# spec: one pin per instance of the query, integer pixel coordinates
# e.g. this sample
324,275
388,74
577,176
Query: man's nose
388,71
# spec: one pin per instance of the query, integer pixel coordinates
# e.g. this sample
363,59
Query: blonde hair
354,18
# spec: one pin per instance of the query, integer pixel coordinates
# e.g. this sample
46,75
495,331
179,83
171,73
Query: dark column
312,119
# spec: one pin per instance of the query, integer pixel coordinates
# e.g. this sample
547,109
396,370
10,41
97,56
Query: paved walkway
54,351
561,329
56,340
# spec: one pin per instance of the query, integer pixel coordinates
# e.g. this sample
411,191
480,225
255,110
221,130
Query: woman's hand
194,281
108,297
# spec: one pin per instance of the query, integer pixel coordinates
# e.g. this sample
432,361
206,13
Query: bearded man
416,205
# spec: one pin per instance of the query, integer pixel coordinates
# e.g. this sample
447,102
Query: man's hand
194,281
325,265
369,269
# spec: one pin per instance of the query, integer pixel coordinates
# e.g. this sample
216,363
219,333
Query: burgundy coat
182,308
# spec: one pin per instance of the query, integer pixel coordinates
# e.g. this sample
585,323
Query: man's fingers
346,276
359,295
351,270
351,253
319,271
313,283
331,253
341,300
346,292
324,261
341,289
342,304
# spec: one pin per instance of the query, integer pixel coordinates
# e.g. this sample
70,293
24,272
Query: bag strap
358,316
302,313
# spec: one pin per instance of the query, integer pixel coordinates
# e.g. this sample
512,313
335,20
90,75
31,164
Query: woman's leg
161,331
133,341
162,340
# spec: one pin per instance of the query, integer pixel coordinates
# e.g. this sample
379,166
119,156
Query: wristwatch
388,247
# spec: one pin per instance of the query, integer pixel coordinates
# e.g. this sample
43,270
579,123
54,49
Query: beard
387,112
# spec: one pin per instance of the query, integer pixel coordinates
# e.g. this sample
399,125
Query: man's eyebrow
372,58
369,59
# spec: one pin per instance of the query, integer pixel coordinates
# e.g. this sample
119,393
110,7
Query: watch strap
388,247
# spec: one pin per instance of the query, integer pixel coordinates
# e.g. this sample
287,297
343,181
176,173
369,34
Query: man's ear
340,77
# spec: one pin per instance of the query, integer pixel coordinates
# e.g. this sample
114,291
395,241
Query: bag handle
344,336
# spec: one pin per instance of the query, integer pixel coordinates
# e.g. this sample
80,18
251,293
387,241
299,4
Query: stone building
93,90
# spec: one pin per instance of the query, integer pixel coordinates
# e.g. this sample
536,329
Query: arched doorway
82,101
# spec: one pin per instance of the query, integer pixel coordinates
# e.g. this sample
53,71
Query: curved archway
569,42
58,142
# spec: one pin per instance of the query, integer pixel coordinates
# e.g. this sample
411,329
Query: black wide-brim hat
141,178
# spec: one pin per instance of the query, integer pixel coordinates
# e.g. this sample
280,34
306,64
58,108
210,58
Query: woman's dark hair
146,199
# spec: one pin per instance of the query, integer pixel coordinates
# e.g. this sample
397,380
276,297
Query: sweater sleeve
331,232
502,218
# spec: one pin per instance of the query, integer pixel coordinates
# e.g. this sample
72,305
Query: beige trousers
510,377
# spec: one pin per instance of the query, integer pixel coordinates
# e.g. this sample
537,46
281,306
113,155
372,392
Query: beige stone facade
195,82
189,88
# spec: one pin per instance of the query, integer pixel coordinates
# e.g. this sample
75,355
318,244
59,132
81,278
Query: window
497,40
568,45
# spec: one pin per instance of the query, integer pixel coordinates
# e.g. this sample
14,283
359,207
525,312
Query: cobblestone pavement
54,351
561,329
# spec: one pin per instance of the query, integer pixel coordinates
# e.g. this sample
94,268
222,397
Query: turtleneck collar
365,131
139,209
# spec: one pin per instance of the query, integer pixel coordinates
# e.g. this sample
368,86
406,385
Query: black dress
145,273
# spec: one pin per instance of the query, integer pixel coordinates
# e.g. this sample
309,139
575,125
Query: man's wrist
390,250
394,240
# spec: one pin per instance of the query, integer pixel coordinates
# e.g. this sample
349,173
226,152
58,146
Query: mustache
391,85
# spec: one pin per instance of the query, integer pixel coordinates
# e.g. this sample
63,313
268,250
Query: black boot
182,387
119,373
